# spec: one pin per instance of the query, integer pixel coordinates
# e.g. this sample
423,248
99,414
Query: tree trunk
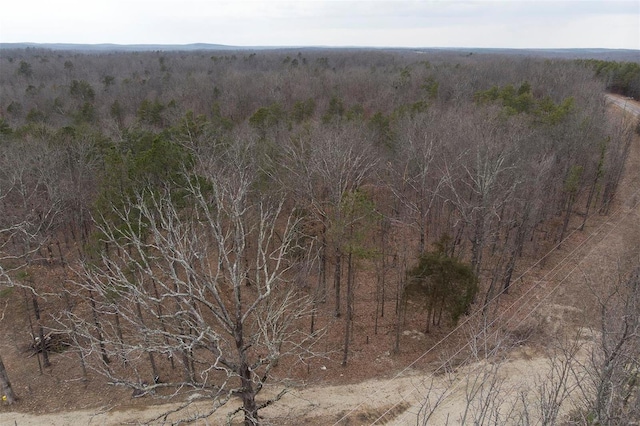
400,304
313,315
592,191
477,244
43,346
336,280
321,291
349,316
162,323
249,406
396,341
152,361
94,313
322,276
489,296
74,334
423,237
123,354
383,252
511,264
567,216
187,364
517,249
5,385
33,333
432,310
247,392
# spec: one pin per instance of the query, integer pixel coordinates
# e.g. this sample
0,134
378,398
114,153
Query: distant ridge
560,53
109,47
629,55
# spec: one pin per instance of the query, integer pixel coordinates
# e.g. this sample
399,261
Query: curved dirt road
626,104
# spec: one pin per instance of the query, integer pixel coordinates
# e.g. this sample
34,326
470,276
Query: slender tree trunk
431,310
321,292
94,312
43,346
380,278
477,244
162,321
336,280
383,253
62,261
322,275
33,333
5,385
511,264
567,216
396,344
71,226
457,241
313,315
187,364
152,361
517,249
488,298
440,311
123,354
400,305
74,334
349,318
592,191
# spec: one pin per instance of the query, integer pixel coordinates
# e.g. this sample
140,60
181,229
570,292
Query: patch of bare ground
553,294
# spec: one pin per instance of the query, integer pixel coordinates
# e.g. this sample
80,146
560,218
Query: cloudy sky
401,23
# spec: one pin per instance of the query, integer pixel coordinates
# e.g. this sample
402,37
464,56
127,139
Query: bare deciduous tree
203,273
610,389
324,169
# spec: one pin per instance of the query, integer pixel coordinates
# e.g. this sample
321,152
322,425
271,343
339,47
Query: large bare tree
204,273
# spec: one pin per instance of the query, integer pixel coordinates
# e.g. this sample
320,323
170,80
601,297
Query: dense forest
209,216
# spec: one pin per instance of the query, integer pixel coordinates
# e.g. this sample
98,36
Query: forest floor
550,294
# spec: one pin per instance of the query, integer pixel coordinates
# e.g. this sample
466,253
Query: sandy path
316,405
625,103
369,400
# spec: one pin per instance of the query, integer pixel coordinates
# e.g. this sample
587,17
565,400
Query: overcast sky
401,23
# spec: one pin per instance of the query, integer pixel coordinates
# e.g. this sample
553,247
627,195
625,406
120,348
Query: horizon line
274,47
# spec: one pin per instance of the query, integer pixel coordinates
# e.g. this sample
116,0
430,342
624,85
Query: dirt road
394,401
626,104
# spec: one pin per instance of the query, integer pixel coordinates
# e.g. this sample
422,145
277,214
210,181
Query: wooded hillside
212,218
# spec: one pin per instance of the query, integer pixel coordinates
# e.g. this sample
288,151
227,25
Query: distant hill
108,47
591,53
628,55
